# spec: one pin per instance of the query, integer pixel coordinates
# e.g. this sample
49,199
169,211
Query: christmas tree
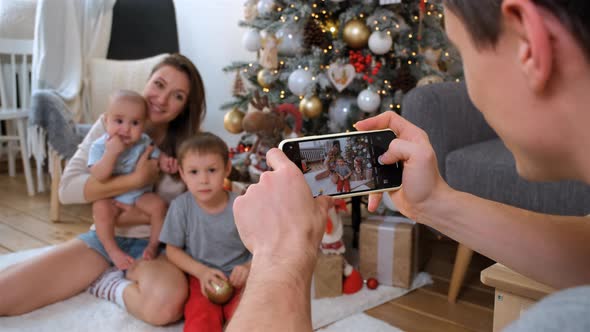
322,65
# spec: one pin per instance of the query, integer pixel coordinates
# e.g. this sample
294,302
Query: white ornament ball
290,41
265,6
368,101
380,42
251,40
298,81
340,111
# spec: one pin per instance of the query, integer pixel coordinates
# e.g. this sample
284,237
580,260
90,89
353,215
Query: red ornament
372,283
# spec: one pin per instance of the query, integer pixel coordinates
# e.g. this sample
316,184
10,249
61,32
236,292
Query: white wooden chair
15,96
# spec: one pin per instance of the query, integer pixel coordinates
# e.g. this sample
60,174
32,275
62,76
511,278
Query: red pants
202,315
343,186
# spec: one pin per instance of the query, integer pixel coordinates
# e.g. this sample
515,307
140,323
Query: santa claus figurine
332,243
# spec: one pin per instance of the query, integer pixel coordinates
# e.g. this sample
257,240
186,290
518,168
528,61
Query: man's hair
482,19
203,143
129,96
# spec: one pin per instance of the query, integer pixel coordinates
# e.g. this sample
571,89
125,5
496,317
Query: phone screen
345,164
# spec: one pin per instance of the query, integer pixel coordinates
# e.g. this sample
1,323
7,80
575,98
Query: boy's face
340,162
126,119
203,174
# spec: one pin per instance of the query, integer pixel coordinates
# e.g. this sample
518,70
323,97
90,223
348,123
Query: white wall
210,36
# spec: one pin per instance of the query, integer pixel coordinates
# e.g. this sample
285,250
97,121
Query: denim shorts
131,246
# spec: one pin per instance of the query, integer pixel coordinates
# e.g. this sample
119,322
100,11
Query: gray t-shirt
342,170
567,310
212,240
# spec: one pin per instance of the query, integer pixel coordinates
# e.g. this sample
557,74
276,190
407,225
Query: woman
156,294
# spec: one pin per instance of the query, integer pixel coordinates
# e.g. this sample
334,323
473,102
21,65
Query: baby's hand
239,275
168,164
114,145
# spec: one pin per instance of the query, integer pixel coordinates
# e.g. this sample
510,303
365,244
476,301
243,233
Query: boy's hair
130,96
482,19
202,143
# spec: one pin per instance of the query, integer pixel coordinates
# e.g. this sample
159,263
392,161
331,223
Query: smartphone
345,165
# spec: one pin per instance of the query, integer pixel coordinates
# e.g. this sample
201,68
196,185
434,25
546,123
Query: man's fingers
276,159
385,120
374,200
399,150
324,203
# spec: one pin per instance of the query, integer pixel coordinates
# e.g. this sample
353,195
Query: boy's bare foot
121,260
150,251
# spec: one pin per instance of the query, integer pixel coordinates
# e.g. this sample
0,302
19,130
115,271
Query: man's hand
239,275
114,145
421,180
279,219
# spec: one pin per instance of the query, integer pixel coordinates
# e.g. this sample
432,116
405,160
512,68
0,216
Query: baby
117,152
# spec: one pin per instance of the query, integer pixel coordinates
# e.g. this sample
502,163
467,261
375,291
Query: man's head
204,163
126,116
527,65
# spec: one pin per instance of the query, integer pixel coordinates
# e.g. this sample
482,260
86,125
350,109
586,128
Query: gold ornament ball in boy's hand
311,107
232,121
223,292
356,34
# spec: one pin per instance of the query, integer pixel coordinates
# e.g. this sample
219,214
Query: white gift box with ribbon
388,250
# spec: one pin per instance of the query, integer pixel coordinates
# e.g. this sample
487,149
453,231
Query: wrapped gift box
327,276
388,250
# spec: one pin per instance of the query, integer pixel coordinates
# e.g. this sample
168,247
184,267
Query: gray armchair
472,158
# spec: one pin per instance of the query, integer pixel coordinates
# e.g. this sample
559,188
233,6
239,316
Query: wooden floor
24,224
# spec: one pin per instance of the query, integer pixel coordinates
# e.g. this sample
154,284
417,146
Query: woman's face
166,93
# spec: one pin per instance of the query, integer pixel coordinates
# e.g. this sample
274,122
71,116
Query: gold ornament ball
356,34
265,78
311,107
222,294
232,121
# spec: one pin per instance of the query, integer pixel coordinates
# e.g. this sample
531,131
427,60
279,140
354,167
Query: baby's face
340,162
126,119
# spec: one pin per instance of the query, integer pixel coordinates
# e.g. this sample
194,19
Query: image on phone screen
346,164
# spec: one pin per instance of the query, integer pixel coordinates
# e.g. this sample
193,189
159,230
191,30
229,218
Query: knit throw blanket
50,122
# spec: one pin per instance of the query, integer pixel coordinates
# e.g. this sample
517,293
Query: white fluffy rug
87,313
360,322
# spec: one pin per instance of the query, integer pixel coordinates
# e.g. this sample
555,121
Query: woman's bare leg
51,277
160,291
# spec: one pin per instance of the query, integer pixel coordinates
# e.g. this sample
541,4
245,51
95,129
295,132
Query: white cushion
106,76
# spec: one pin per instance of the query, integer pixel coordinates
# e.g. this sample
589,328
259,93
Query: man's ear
535,54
